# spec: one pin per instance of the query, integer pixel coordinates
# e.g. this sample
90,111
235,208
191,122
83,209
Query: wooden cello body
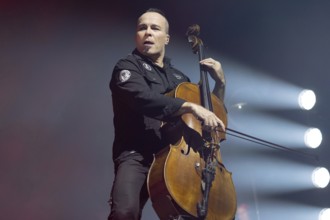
175,182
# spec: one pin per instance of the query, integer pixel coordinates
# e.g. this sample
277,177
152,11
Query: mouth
148,43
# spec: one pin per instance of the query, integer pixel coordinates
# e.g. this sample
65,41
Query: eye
141,27
155,27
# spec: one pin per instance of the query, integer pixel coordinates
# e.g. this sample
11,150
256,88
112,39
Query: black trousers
129,192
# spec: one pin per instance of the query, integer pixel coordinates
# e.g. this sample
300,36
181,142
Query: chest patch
124,75
177,76
147,66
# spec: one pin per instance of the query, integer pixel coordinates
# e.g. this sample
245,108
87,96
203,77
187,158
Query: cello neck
197,46
204,83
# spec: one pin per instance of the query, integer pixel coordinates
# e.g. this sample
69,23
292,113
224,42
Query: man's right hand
209,120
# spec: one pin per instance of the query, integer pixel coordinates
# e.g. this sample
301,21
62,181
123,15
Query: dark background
56,131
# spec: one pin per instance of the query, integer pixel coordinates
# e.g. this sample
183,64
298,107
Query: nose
148,31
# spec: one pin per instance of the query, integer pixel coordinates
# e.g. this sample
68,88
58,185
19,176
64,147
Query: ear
167,39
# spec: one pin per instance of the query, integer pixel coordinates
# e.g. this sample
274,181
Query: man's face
152,34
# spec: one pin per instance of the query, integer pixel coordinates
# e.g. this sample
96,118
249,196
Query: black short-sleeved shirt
139,104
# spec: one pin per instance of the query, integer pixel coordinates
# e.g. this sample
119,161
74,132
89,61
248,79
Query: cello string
265,143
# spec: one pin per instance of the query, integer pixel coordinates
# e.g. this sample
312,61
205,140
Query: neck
158,60
159,63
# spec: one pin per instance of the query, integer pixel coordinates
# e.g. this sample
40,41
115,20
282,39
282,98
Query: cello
187,179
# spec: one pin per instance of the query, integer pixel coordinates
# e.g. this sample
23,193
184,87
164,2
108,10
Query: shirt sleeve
128,85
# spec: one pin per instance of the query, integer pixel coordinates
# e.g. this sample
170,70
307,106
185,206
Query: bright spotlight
320,177
313,137
306,99
240,105
324,214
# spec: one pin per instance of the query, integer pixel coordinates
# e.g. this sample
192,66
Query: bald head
159,12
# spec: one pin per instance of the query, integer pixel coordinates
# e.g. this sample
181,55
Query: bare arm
214,67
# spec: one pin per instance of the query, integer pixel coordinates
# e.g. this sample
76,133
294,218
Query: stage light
240,105
313,137
306,99
320,177
324,214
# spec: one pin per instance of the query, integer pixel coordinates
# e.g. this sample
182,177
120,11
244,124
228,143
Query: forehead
152,18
